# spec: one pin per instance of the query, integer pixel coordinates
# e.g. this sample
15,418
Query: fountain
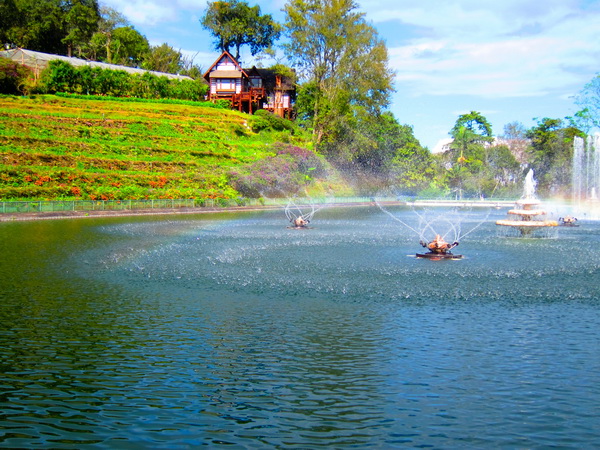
438,249
297,217
568,221
529,217
586,175
443,224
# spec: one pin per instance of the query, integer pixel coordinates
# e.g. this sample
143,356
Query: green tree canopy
343,65
412,166
465,163
101,42
475,123
234,23
551,152
502,167
81,22
51,26
163,58
38,26
9,18
128,47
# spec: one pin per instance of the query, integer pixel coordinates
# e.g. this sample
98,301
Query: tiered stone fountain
527,216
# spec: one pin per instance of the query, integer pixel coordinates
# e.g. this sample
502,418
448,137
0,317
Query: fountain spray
297,217
439,247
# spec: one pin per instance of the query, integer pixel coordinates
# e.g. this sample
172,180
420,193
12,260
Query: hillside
58,147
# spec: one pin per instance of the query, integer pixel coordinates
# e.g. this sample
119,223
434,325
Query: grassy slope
56,147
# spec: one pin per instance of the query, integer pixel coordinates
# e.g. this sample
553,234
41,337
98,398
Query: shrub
223,104
306,159
158,87
188,90
89,80
284,174
114,82
12,77
265,120
276,176
61,76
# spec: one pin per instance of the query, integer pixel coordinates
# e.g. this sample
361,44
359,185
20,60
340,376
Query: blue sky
511,60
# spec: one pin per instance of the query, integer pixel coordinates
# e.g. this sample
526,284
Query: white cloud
489,15
153,12
487,52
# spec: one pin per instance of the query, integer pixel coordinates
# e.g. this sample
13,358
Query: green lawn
56,147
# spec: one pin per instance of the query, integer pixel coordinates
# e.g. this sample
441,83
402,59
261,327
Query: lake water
232,330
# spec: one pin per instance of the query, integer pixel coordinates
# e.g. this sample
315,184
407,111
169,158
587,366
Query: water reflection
232,329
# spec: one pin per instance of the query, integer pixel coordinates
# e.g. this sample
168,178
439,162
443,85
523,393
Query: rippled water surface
233,330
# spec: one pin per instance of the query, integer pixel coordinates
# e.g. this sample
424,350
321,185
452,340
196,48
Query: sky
510,60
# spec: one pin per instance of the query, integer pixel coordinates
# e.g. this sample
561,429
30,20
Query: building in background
38,61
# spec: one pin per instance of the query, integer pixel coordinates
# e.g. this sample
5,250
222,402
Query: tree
502,168
412,166
163,58
101,42
515,139
39,26
466,168
388,150
469,133
589,99
47,25
458,170
233,24
343,64
551,153
477,124
9,18
81,22
128,47
463,139
190,69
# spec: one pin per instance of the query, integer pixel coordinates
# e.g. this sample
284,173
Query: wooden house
250,89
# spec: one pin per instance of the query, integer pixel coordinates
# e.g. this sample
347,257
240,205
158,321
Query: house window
226,84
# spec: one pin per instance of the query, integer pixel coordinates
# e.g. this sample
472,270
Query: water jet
441,224
586,175
297,217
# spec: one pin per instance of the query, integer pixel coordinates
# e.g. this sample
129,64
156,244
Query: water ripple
146,333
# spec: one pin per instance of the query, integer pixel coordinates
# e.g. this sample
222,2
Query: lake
233,330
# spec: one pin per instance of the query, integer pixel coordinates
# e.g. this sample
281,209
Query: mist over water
233,329
586,175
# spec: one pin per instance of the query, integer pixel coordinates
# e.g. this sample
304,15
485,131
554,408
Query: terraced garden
56,147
